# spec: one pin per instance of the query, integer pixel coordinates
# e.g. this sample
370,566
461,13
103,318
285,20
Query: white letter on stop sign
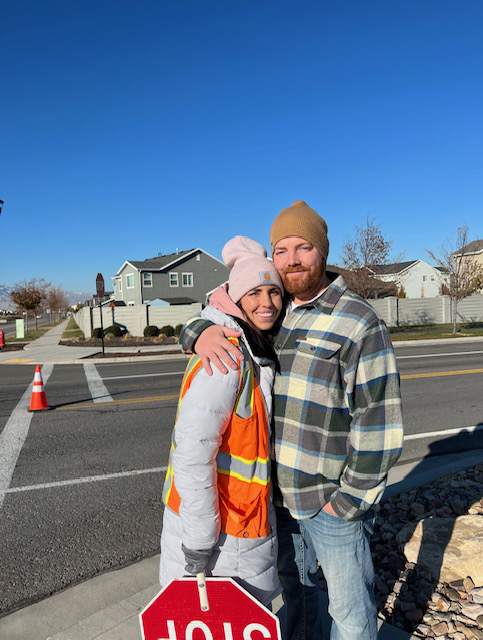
171,631
255,626
247,631
197,624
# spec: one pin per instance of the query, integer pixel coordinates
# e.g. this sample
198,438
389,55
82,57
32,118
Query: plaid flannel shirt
337,404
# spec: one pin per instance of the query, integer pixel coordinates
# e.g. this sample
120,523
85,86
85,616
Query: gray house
183,277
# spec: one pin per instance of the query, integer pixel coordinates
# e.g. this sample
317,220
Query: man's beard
299,285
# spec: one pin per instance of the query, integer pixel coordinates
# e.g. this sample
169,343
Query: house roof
395,267
335,269
473,247
160,262
180,300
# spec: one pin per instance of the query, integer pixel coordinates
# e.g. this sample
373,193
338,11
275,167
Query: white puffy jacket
202,416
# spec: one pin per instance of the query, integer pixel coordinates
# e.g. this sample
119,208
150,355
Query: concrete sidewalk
107,606
47,350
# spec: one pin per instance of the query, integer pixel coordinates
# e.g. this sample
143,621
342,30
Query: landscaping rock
408,595
450,548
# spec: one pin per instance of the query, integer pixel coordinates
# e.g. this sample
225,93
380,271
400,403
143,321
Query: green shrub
150,330
97,333
168,330
115,330
177,329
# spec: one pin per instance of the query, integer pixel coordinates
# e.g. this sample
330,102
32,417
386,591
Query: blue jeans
342,549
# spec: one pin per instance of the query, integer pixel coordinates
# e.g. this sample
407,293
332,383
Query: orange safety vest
243,461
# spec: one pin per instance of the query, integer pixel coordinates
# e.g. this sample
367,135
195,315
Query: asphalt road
75,508
442,390
85,491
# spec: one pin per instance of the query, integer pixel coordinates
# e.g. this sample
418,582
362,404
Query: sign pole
102,330
100,295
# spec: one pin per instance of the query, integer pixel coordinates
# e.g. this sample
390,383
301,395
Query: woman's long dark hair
261,342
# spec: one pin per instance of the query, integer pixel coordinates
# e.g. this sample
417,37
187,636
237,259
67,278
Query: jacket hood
222,301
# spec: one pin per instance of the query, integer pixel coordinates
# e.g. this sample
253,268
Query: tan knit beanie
301,221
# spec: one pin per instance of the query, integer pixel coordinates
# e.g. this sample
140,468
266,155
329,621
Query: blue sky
131,128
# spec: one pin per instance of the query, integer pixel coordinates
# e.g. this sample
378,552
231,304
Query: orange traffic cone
38,401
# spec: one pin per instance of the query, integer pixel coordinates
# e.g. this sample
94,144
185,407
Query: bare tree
464,274
56,300
28,296
361,255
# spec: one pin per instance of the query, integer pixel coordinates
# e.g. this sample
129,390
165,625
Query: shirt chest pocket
318,360
321,348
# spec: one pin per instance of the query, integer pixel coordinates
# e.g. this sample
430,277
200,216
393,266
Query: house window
187,279
147,279
198,257
119,282
425,278
173,280
130,281
432,278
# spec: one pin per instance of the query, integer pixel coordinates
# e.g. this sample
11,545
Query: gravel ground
409,597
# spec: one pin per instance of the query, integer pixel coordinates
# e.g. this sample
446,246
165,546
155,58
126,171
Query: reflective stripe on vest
243,462
170,495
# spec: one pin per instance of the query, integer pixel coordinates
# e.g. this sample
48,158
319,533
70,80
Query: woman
219,516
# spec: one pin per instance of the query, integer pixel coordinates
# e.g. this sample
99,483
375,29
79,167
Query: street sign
233,614
100,287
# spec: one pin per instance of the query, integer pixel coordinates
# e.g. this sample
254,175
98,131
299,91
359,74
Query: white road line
439,355
14,434
87,479
145,375
97,387
446,432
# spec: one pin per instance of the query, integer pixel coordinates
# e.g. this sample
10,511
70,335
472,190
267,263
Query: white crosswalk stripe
13,435
97,387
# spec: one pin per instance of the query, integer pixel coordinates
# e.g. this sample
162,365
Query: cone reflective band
38,400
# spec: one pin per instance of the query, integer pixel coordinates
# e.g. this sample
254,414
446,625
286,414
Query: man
337,431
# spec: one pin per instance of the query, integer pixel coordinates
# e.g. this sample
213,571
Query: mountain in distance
73,297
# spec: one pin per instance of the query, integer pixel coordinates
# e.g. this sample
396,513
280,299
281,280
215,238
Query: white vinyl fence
398,312
134,319
394,311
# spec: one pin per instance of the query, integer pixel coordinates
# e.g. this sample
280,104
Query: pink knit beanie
249,266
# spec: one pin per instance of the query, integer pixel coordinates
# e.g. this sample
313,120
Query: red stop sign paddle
233,614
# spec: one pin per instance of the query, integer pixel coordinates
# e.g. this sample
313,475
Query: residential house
473,251
364,282
183,277
94,301
419,279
